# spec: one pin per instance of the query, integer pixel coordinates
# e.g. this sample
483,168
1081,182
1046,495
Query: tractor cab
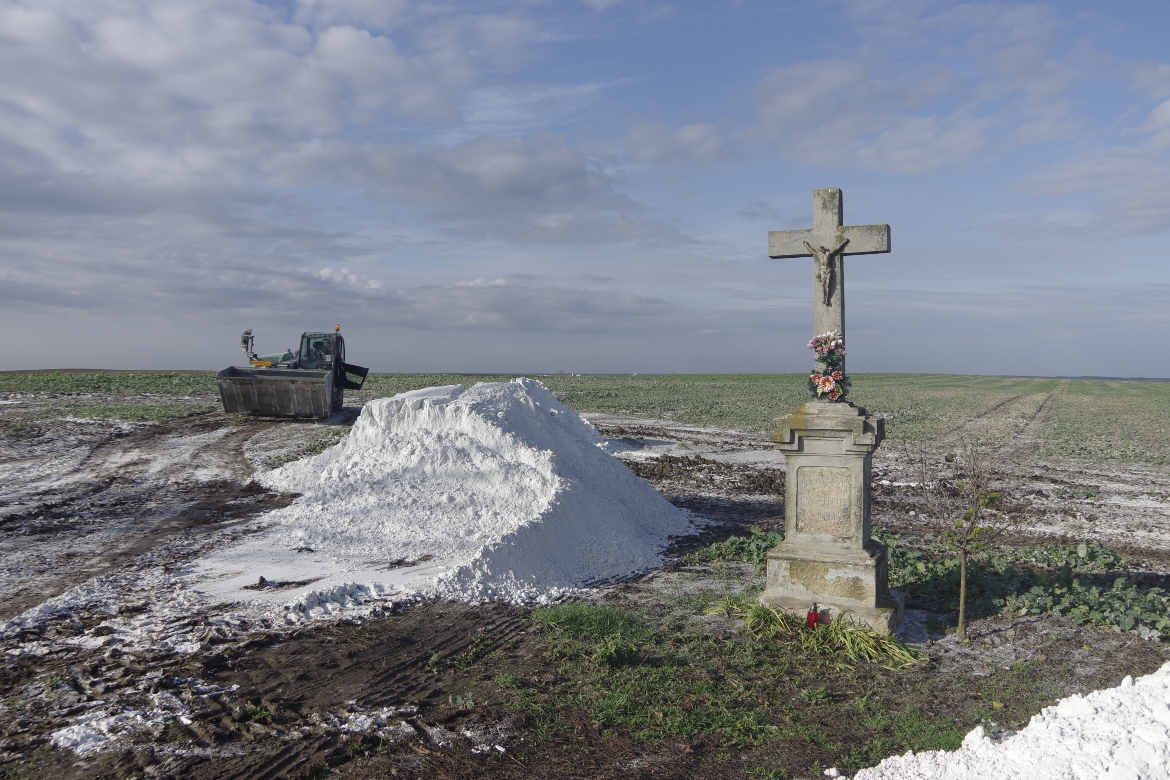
320,350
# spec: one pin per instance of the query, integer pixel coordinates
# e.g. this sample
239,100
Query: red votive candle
810,619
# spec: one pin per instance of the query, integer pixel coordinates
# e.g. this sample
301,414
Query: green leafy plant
1123,605
1033,579
1084,556
819,695
842,639
257,714
752,549
614,651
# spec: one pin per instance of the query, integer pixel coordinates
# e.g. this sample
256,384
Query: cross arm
863,240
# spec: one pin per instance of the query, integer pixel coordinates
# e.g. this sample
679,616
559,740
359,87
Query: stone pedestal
827,557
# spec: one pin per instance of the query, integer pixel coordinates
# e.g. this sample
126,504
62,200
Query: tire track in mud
1018,444
1023,442
332,670
124,499
980,419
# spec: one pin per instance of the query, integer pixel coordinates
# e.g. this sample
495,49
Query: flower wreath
830,351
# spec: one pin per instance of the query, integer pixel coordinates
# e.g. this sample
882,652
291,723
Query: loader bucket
277,392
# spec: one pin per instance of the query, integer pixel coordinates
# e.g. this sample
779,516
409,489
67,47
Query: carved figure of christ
827,243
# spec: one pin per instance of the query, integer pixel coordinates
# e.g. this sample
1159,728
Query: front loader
307,383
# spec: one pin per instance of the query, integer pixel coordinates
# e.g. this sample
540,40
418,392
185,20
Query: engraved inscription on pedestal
824,503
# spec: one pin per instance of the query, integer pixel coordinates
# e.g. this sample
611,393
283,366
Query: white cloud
520,109
1125,187
926,86
215,87
1152,78
373,14
695,144
343,278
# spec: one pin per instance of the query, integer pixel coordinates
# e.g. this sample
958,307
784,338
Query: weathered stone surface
829,448
827,557
816,575
827,243
824,500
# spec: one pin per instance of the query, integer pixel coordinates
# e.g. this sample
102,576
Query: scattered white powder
1121,732
508,491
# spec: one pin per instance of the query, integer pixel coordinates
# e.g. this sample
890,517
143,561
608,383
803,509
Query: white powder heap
1121,732
503,485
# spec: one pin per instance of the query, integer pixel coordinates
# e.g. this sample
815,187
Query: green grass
917,406
767,692
587,621
926,406
1105,420
55,382
258,714
1094,420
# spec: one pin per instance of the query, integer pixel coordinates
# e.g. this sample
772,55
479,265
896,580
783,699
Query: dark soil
480,691
299,681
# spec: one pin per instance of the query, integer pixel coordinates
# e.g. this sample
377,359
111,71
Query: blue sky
583,186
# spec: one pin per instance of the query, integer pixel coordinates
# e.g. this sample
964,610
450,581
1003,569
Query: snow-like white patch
95,731
98,730
1121,732
497,491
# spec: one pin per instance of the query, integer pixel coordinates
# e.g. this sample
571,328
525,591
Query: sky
583,185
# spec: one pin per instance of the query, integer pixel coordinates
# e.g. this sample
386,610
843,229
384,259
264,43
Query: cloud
658,13
1121,192
372,14
523,186
1153,78
343,278
836,113
926,86
695,144
482,305
1107,190
177,156
520,109
177,87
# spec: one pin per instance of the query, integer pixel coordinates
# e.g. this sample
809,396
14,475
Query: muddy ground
94,514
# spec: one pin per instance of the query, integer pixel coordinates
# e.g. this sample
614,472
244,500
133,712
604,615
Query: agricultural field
114,480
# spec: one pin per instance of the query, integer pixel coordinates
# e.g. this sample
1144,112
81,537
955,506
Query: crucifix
827,243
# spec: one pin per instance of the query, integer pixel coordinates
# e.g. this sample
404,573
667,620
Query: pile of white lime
498,491
1121,732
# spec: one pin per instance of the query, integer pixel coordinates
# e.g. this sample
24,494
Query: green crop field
1097,420
1092,420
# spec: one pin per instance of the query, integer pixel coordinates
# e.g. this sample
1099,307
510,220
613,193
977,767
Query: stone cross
828,243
